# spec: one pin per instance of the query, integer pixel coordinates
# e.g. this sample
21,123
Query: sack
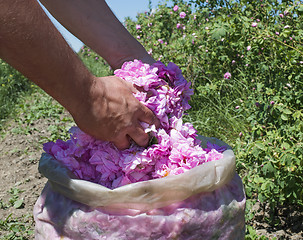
206,202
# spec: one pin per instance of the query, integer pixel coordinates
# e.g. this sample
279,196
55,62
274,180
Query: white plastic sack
206,202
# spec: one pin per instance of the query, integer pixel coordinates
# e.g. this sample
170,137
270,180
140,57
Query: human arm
93,22
102,107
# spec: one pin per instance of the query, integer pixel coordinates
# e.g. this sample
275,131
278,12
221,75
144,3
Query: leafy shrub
258,109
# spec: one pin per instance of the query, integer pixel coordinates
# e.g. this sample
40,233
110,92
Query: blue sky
121,8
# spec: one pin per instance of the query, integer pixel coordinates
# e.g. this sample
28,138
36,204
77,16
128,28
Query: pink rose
182,14
227,75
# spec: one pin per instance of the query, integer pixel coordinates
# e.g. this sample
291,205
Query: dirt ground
19,169
20,154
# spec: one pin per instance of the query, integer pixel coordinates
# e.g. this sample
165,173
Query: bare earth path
19,170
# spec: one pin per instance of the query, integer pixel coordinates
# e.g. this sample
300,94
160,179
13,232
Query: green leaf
285,145
262,198
260,145
258,179
287,111
284,117
268,168
297,114
255,152
218,33
18,203
264,186
15,229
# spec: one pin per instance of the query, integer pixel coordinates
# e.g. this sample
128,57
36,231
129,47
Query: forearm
30,43
103,107
93,22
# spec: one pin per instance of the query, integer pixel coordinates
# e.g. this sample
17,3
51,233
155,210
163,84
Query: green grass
13,86
17,229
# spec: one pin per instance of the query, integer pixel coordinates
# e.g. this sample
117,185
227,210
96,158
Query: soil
20,154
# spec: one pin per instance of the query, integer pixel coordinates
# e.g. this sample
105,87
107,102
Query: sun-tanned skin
103,107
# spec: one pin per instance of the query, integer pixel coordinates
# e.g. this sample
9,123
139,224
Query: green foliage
41,106
12,86
211,41
14,200
252,235
17,229
259,109
270,151
94,62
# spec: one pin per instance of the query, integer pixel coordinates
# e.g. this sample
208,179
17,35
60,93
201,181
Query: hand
112,113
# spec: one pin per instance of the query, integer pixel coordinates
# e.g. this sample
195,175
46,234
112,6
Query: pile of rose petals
174,146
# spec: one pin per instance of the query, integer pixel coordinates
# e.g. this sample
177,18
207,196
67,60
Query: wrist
79,97
144,58
128,52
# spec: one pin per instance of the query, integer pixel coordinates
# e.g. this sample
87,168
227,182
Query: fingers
133,88
149,117
145,114
136,132
128,127
122,142
139,136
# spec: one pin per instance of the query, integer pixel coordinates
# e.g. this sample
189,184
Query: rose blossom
182,14
227,75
